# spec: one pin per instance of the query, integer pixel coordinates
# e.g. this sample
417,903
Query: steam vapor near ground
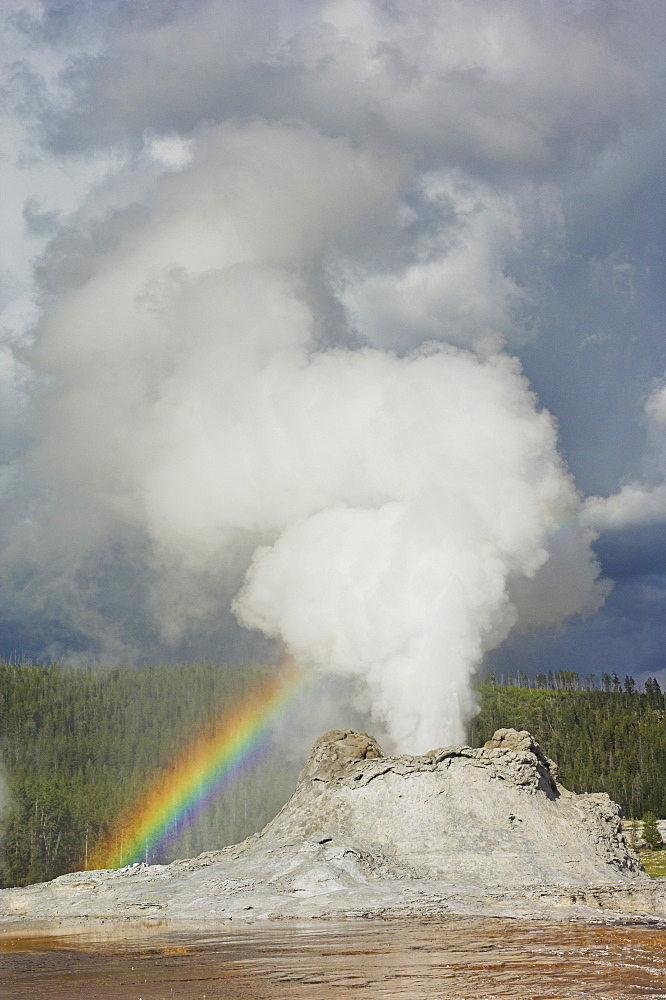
275,372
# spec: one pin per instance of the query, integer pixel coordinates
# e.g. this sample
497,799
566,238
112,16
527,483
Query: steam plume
272,347
379,506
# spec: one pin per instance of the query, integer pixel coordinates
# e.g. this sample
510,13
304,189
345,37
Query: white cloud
634,505
457,288
638,503
655,410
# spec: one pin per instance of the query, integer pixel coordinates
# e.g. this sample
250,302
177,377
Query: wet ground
461,958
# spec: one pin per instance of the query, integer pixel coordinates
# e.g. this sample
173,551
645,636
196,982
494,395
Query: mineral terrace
486,831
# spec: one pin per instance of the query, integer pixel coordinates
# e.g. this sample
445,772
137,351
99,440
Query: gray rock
484,830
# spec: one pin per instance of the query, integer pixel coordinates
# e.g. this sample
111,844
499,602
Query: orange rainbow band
199,774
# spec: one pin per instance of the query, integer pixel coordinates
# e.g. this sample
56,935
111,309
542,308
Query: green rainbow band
200,772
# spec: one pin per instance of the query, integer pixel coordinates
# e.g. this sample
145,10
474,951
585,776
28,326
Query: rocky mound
484,830
495,815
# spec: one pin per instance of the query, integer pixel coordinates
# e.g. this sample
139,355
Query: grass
654,862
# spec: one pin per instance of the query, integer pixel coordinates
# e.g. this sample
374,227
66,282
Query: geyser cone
495,814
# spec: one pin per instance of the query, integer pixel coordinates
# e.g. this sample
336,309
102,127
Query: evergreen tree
651,834
653,691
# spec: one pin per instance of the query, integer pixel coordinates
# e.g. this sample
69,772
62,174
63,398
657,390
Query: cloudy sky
335,327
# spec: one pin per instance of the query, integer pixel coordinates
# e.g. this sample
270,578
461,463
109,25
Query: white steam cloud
273,372
382,505
446,485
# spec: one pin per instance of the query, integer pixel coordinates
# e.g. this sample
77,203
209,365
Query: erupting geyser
381,513
275,391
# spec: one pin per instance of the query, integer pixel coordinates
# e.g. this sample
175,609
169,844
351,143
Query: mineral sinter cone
486,831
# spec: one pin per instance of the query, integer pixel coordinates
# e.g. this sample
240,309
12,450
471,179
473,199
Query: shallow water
465,959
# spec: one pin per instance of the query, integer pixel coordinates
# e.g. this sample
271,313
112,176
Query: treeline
570,680
603,741
79,746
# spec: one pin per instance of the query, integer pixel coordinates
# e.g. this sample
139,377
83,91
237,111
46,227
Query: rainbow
199,774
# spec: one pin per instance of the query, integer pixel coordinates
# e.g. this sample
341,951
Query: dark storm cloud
633,553
56,21
476,84
626,636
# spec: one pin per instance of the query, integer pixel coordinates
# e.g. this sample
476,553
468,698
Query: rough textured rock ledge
485,831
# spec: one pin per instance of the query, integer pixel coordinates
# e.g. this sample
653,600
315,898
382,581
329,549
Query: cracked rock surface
485,831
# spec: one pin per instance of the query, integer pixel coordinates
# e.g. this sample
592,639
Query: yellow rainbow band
198,774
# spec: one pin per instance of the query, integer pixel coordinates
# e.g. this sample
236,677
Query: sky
335,328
